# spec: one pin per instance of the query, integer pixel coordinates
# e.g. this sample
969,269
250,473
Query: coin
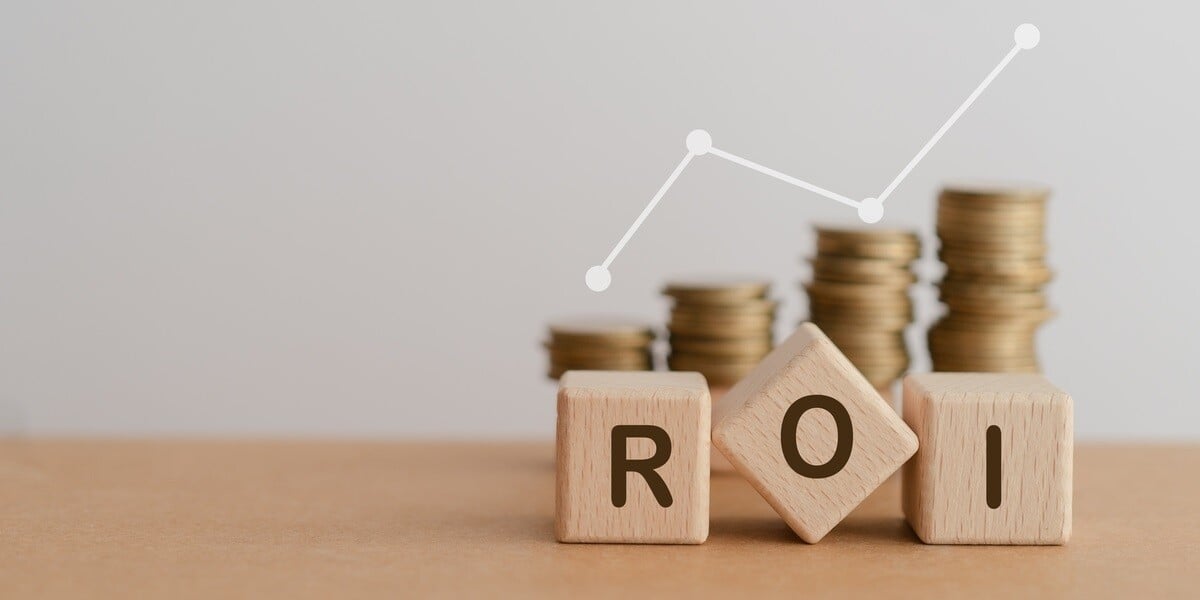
720,326
724,289
858,296
599,343
992,244
749,346
616,331
842,269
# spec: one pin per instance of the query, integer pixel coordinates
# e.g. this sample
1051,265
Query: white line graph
870,210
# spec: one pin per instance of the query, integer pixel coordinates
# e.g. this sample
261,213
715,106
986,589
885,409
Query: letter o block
995,460
633,457
810,433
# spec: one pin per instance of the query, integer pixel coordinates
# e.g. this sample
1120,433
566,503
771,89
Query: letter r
644,467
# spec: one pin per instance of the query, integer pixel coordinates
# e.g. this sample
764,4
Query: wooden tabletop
332,519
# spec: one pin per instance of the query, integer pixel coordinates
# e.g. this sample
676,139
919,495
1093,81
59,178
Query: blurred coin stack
993,246
720,327
859,296
599,344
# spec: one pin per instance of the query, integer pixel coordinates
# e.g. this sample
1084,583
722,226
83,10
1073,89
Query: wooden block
810,433
717,460
633,452
995,461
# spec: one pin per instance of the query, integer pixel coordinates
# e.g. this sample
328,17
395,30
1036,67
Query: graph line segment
870,210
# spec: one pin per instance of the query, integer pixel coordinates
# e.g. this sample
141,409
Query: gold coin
683,328
1028,269
1027,321
700,361
899,252
1023,235
859,296
983,368
556,371
992,211
865,337
1003,347
984,289
888,244
878,322
869,234
994,246
716,373
992,243
842,294
612,331
1016,301
602,362
753,306
588,353
840,269
723,323
717,289
759,345
993,191
1030,280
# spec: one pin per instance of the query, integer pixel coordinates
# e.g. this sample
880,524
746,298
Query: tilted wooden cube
810,433
633,457
995,461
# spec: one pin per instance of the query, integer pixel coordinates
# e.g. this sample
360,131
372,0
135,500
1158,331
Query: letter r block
810,433
995,460
633,457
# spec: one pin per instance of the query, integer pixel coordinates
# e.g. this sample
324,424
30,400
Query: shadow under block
810,433
633,457
995,461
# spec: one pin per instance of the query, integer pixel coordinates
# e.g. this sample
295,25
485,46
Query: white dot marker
870,210
1027,36
699,142
598,278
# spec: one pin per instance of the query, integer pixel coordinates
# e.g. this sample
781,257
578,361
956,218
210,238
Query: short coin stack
599,344
720,327
859,296
993,247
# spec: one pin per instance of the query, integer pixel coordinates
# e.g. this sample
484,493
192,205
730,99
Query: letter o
845,432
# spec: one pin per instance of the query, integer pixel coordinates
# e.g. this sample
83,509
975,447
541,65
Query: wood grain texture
328,519
946,487
717,461
720,464
590,405
747,426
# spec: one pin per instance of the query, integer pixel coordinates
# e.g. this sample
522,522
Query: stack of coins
993,247
599,344
720,326
859,296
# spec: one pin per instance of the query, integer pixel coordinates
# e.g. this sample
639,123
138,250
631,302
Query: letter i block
633,452
995,460
810,433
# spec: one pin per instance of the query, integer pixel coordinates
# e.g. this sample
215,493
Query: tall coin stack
720,327
859,296
599,344
993,247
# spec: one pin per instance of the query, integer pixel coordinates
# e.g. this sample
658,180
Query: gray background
356,218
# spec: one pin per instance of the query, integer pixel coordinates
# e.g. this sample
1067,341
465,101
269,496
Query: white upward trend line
949,122
870,210
649,207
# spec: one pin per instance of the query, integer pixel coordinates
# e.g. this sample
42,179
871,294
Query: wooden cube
994,465
810,433
633,457
717,460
